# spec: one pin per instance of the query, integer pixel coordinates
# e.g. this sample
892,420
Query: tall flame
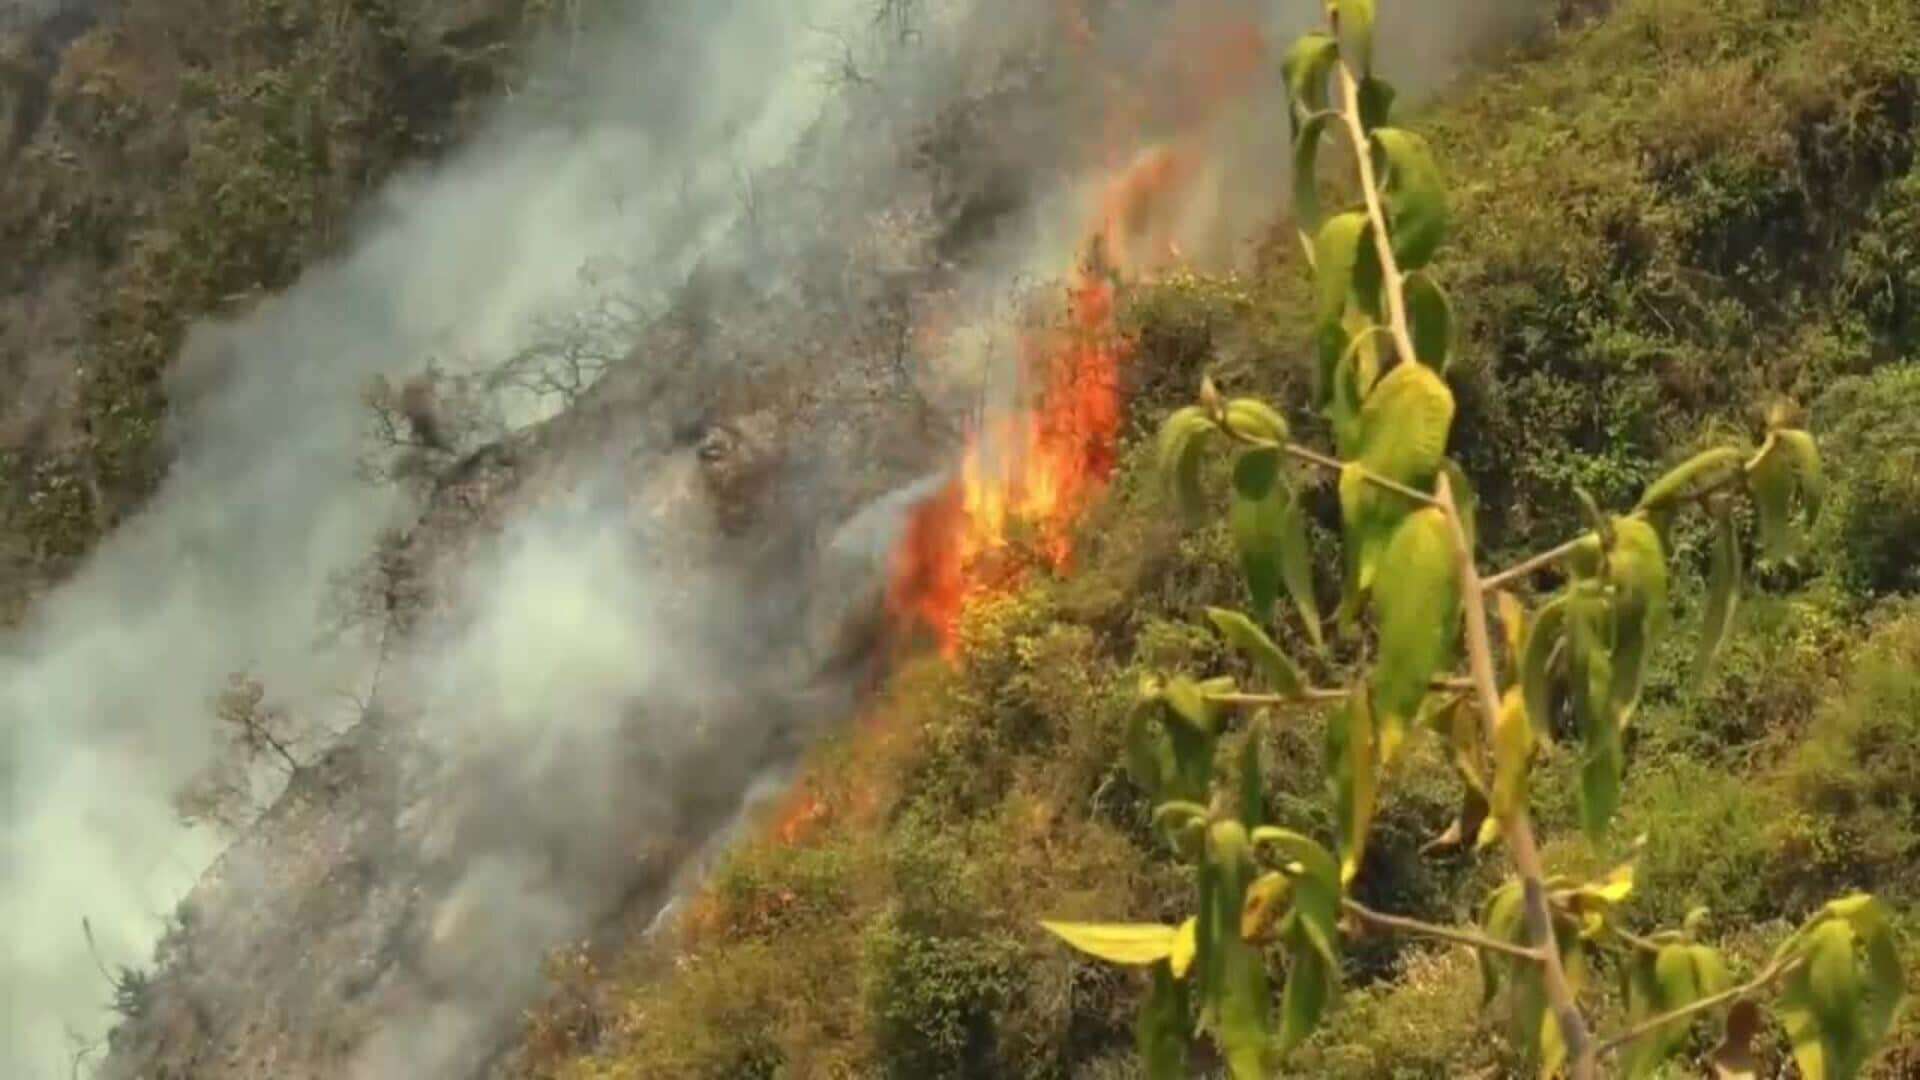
1030,473
1025,476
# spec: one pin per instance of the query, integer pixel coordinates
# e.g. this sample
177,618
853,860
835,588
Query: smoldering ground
594,692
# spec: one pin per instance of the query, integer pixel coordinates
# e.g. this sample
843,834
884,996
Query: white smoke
106,696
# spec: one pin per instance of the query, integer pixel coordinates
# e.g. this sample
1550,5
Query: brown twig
1434,930
1774,971
1516,825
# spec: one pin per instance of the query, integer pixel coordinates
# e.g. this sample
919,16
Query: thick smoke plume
673,119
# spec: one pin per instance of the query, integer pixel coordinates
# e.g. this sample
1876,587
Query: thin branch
1311,693
1434,930
1390,278
1766,978
1538,562
1320,693
1314,457
1515,824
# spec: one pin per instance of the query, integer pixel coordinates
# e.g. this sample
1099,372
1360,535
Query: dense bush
1873,515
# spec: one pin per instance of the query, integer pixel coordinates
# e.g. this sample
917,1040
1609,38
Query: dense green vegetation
1666,221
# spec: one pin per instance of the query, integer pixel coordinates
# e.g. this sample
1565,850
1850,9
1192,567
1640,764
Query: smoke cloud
581,656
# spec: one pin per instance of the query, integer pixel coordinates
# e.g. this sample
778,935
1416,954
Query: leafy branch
1414,605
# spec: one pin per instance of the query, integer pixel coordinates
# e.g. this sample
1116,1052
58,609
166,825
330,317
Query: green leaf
1336,260
1189,703
1296,568
1306,178
1672,979
1273,665
1150,755
1545,639
1466,502
1353,757
1164,1027
1257,518
1835,992
1771,479
1637,570
1242,997
1371,515
1416,196
1376,103
1136,944
1502,919
1418,608
1305,69
1684,480
1309,990
1590,670
1182,438
1804,454
1429,319
1404,424
1886,978
1255,421
1355,23
1725,581
1253,801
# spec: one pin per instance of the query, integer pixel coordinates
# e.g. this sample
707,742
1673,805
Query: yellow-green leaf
1354,19
1699,471
1804,454
1637,570
1886,980
1190,704
1418,606
1336,259
1725,581
1136,944
1182,439
1256,421
1180,955
1416,196
1305,70
1771,479
1354,758
1512,755
1404,424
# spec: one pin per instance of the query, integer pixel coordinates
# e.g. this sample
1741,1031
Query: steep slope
1667,218
168,161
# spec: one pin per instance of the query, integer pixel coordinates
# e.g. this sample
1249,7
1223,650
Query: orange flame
1031,474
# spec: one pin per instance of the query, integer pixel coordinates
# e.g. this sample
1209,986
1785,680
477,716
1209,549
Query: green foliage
1409,547
1873,511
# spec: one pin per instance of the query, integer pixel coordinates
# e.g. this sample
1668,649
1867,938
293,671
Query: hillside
1668,218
